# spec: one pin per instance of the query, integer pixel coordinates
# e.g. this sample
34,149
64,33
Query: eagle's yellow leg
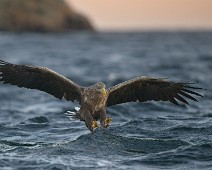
95,124
108,120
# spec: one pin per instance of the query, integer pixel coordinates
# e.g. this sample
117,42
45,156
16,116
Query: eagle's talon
108,120
95,124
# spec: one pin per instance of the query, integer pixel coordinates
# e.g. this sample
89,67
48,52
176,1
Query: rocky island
40,16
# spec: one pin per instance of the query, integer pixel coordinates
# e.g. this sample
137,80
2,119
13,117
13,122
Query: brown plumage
144,89
96,98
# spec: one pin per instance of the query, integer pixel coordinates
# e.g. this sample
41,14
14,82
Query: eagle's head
100,87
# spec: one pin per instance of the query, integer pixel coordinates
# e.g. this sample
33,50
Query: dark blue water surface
36,133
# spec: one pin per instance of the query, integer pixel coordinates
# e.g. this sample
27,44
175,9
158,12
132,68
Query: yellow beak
104,91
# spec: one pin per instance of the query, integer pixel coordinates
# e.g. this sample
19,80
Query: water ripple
36,134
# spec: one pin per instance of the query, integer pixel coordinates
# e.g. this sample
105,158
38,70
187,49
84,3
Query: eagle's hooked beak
104,91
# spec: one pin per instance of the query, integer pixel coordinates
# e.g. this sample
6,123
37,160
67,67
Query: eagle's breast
94,99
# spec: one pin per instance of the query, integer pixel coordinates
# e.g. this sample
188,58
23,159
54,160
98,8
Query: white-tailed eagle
96,98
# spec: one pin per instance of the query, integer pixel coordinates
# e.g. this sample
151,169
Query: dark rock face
40,16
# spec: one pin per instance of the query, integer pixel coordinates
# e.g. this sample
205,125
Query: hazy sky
146,14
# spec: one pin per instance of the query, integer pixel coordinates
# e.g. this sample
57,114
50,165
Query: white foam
70,115
77,109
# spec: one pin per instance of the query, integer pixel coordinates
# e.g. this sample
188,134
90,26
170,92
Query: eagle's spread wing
145,89
40,78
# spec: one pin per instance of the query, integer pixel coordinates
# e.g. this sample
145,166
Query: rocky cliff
40,16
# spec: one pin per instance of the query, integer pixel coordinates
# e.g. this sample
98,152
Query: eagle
93,100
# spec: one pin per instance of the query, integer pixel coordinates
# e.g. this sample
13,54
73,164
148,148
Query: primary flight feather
96,98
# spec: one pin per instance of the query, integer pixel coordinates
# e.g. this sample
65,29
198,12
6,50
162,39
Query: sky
146,14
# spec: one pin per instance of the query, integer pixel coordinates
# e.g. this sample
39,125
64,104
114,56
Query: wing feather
188,96
144,89
40,78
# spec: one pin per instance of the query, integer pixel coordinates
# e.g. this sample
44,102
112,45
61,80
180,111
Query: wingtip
191,92
189,85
